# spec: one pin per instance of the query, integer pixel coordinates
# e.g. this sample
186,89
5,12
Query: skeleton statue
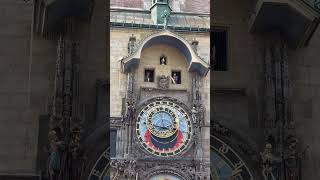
268,162
54,160
194,112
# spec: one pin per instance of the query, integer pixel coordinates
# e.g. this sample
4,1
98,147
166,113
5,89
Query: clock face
164,128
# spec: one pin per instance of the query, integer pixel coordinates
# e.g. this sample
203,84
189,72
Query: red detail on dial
179,142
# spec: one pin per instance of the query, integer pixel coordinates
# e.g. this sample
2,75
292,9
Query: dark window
176,77
219,52
149,75
113,142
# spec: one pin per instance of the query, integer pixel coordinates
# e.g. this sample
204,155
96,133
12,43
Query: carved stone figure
124,169
163,82
291,159
130,171
54,160
163,60
148,77
75,141
201,111
268,162
175,78
194,112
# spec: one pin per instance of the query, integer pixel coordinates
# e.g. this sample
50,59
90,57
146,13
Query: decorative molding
229,92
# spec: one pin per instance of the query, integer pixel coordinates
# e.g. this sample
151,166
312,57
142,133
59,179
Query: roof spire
160,11
165,15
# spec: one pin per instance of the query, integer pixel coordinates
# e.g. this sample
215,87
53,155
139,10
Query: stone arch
154,98
195,63
226,141
96,151
158,170
230,163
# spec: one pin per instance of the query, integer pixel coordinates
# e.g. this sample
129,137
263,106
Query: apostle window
219,51
149,75
163,60
176,77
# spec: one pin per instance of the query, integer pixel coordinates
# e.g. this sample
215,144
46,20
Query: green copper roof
315,4
140,19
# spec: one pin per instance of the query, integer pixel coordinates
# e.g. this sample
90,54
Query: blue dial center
162,121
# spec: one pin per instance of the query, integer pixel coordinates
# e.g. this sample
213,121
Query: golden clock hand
178,122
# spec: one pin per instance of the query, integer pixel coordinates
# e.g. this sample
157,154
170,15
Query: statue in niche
163,60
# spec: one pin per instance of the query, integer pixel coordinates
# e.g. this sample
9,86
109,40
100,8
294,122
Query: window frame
225,29
179,71
154,75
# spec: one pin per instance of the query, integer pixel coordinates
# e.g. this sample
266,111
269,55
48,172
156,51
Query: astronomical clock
161,94
164,128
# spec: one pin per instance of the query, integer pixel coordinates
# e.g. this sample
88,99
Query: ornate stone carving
195,44
56,153
163,82
269,162
278,127
220,129
65,119
131,44
194,112
125,169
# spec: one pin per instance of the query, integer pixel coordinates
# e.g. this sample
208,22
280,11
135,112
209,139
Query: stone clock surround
140,152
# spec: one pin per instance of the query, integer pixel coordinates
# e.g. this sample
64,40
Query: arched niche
195,63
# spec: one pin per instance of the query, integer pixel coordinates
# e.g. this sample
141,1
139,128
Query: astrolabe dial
162,122
164,128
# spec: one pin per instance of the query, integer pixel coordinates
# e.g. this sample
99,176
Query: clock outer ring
185,110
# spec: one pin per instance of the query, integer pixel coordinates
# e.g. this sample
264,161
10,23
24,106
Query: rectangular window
113,143
149,75
219,49
176,77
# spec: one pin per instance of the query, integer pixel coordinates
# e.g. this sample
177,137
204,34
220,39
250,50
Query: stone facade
129,92
28,67
240,101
